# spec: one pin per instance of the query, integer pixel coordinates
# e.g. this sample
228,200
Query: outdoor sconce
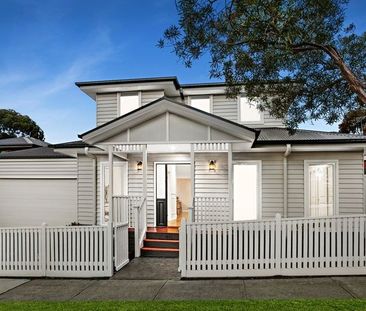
212,166
139,166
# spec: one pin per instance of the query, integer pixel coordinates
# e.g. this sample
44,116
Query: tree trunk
354,83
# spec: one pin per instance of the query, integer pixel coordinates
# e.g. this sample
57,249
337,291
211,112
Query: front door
161,195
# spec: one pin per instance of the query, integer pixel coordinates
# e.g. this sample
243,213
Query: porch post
230,179
110,220
110,193
191,210
144,171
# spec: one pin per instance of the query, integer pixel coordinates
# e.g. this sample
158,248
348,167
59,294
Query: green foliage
354,122
13,124
295,56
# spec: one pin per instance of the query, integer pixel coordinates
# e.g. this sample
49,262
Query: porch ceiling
167,121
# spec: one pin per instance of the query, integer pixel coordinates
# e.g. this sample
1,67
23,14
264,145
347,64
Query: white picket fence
292,246
68,251
123,208
211,209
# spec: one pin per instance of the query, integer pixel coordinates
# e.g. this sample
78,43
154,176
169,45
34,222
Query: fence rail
303,246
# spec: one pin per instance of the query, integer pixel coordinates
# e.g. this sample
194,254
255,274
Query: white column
110,193
144,171
191,210
230,179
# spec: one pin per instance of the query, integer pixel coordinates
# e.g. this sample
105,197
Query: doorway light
139,165
212,166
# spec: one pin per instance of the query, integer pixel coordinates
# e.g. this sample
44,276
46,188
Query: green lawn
266,305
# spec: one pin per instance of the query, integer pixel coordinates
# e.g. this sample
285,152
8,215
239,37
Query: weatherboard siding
40,168
150,96
86,190
272,199
107,107
350,181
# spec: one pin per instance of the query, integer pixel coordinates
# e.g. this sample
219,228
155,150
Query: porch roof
154,110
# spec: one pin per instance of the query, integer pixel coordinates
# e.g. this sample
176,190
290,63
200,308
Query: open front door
161,195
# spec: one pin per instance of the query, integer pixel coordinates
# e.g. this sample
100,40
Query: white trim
260,122
307,163
102,165
259,184
154,179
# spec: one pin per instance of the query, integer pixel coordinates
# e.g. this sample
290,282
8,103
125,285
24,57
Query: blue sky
48,45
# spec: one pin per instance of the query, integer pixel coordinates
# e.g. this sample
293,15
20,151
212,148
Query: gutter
285,180
94,164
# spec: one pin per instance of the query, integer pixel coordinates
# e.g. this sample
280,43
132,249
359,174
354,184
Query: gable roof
34,153
21,142
165,104
275,136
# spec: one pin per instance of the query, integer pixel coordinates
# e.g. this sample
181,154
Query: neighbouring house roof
164,105
71,144
34,153
21,143
274,136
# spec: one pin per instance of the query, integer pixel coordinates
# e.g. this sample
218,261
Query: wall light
212,166
139,166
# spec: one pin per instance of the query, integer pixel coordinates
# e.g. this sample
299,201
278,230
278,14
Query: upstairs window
128,102
249,111
201,103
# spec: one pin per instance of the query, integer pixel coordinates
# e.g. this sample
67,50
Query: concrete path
87,290
8,284
157,279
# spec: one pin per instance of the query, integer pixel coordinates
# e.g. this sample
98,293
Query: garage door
30,202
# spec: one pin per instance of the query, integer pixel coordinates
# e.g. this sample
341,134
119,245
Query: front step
174,244
159,252
161,244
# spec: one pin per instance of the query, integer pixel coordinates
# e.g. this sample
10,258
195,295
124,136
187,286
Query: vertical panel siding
272,181
107,107
149,96
351,181
86,190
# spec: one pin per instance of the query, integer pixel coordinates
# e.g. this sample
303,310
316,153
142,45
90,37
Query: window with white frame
321,188
249,112
202,103
128,103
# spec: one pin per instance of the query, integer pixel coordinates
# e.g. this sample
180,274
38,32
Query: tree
354,122
296,57
14,124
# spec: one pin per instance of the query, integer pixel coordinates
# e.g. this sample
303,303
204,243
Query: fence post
183,248
137,231
110,257
278,243
43,249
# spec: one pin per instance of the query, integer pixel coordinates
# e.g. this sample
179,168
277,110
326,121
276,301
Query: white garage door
30,202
